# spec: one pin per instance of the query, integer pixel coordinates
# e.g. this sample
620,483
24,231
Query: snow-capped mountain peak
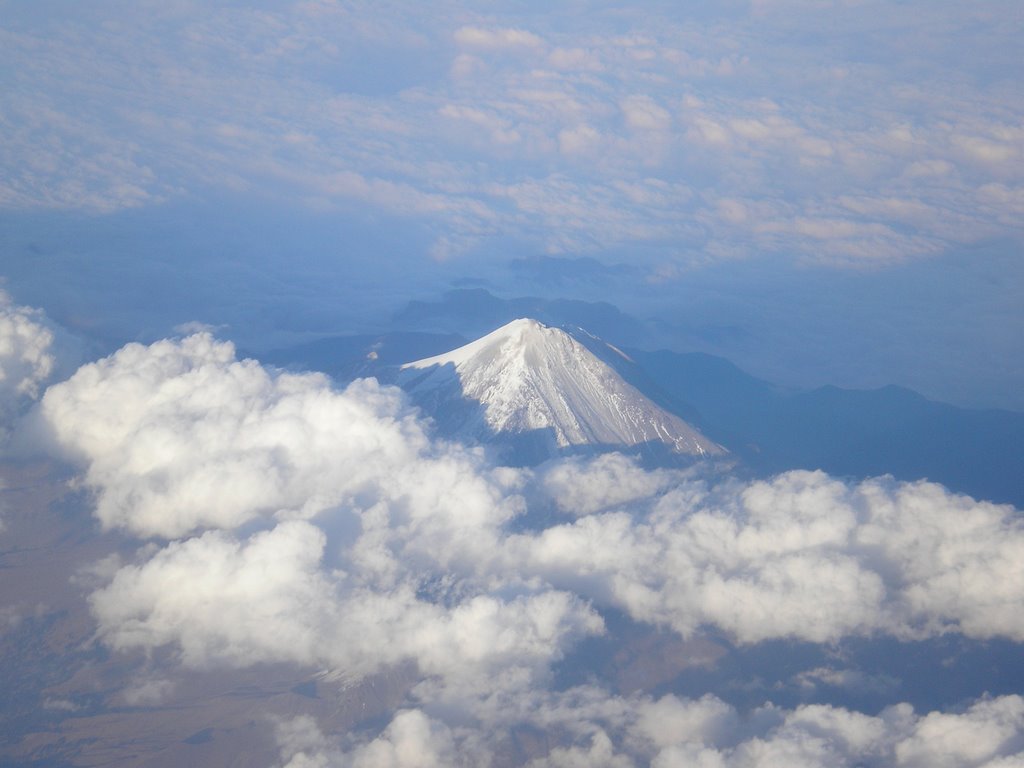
528,379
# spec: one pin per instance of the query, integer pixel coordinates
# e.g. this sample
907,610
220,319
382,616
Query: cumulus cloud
180,435
803,556
600,753
411,740
324,528
583,487
980,736
222,601
26,354
302,744
231,602
672,731
822,735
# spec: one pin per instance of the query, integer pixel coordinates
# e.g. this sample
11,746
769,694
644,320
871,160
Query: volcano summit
539,389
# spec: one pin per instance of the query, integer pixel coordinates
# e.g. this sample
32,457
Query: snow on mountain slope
526,378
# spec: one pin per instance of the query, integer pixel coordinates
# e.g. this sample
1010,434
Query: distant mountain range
859,433
845,432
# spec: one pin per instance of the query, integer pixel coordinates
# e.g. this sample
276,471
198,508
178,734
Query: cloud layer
181,435
268,599
671,732
325,528
802,555
745,131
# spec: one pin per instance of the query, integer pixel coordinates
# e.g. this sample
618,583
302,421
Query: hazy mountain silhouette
350,357
891,430
476,311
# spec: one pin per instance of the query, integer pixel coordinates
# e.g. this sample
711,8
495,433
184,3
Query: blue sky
801,169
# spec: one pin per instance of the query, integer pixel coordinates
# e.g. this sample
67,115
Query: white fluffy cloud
268,599
987,734
232,603
803,556
180,435
583,487
411,740
682,733
26,356
324,528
